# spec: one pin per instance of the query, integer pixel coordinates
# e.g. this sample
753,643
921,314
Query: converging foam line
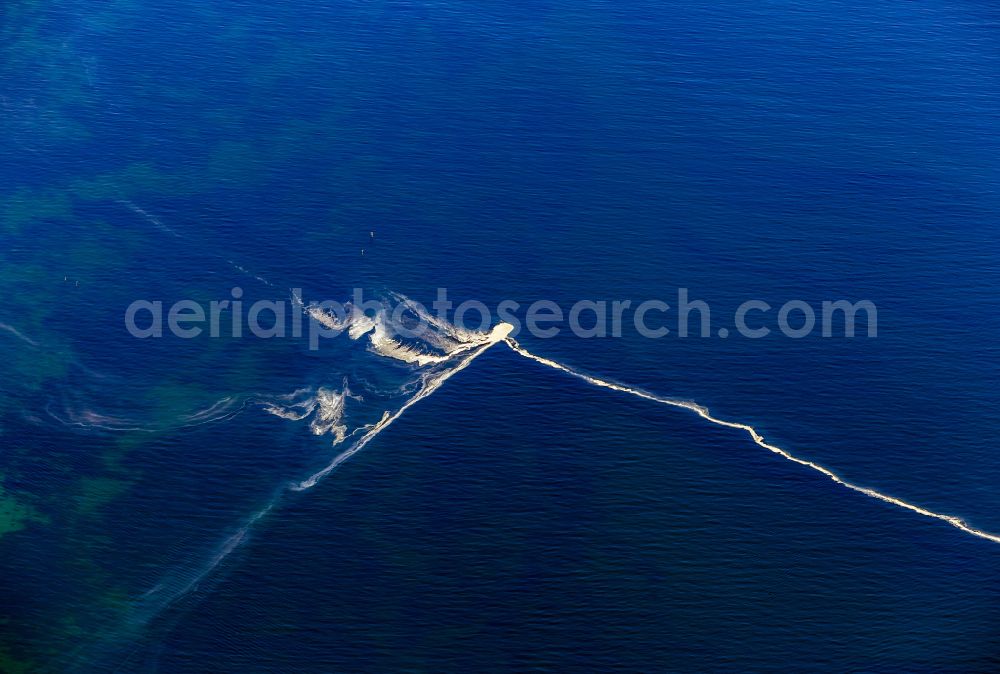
703,412
431,384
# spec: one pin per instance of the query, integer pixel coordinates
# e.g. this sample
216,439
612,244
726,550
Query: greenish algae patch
25,206
9,665
94,493
16,515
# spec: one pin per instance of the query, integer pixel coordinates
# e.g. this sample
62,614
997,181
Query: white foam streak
244,270
88,419
215,412
91,420
296,412
326,318
152,219
437,333
758,439
439,340
176,586
20,335
329,413
360,325
385,345
326,407
448,337
356,322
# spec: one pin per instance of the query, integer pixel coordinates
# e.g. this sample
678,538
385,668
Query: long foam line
149,217
703,412
119,643
89,419
20,335
431,384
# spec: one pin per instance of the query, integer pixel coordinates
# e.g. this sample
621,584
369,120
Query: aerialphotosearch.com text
681,317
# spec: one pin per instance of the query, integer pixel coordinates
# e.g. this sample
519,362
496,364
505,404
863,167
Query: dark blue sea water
518,519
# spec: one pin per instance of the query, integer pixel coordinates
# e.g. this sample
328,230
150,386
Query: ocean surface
165,503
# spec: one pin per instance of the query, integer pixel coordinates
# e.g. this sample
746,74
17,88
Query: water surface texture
187,505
